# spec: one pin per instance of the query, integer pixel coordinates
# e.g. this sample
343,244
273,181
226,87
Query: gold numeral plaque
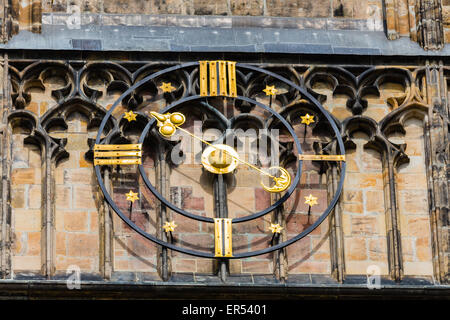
320,157
223,235
117,154
218,78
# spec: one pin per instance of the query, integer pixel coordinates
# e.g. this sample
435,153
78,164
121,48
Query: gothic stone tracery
393,212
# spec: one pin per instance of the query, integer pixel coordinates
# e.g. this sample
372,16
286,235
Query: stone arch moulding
68,100
391,154
421,20
58,116
395,122
358,83
52,149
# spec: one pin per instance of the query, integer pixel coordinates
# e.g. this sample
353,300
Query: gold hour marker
166,87
131,196
169,226
311,200
275,228
130,116
270,91
307,119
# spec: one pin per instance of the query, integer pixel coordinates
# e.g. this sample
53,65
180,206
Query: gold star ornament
130,116
166,87
270,91
275,228
131,196
307,119
169,226
311,200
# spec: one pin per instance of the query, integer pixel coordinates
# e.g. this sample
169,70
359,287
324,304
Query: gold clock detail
218,158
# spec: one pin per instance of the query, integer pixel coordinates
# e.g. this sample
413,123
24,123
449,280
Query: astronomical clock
229,156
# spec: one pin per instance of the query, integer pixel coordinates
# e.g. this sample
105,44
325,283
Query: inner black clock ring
210,220
237,220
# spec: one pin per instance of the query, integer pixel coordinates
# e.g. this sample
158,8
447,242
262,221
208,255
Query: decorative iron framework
424,95
213,84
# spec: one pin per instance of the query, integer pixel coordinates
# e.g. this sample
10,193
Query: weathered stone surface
79,216
247,8
26,220
124,6
25,176
256,267
298,8
82,245
357,249
173,7
83,197
315,267
76,221
402,17
27,262
413,201
342,8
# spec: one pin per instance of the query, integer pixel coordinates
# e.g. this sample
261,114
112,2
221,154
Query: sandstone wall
393,212
362,233
276,8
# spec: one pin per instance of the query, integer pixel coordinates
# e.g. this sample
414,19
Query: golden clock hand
237,158
168,124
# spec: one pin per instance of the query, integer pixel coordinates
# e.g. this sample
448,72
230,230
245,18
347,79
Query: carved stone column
53,152
5,200
421,20
48,221
162,178
437,157
392,158
336,232
21,15
430,33
106,230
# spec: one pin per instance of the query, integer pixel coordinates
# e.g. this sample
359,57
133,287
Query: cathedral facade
251,148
